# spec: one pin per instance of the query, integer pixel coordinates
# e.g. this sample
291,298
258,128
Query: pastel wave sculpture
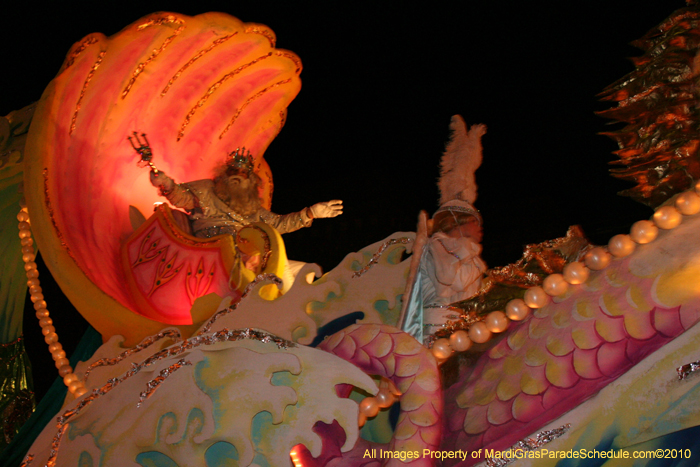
230,397
199,87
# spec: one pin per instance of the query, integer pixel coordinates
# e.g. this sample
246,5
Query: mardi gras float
215,351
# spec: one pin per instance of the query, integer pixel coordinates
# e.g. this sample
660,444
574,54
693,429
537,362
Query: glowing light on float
294,454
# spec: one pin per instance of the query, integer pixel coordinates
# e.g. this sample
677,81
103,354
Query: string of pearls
642,232
386,397
75,386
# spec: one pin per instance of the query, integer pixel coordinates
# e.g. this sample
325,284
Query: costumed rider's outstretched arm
296,220
178,195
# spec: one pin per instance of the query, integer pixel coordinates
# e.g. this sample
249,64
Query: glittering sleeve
178,194
286,222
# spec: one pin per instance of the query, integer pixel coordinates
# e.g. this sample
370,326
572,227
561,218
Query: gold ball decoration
576,273
361,419
517,310
36,297
688,203
441,349
385,398
45,321
369,407
479,333
61,362
555,285
496,321
667,217
536,297
597,258
28,256
622,245
69,378
51,338
41,314
75,386
459,341
644,232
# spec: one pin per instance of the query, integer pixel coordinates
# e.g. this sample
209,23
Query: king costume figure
231,201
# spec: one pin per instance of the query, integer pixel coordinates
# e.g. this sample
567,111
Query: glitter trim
212,89
197,56
83,45
155,383
27,460
251,99
263,31
224,335
529,444
94,68
14,342
169,19
173,334
291,56
267,277
49,208
685,370
375,258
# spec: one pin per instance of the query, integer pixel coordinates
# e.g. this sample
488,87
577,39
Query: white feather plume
460,160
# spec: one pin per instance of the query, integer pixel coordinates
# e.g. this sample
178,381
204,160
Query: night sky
380,83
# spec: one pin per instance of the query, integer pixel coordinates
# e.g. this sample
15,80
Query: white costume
451,271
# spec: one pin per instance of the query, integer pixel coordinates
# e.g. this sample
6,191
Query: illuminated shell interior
199,87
